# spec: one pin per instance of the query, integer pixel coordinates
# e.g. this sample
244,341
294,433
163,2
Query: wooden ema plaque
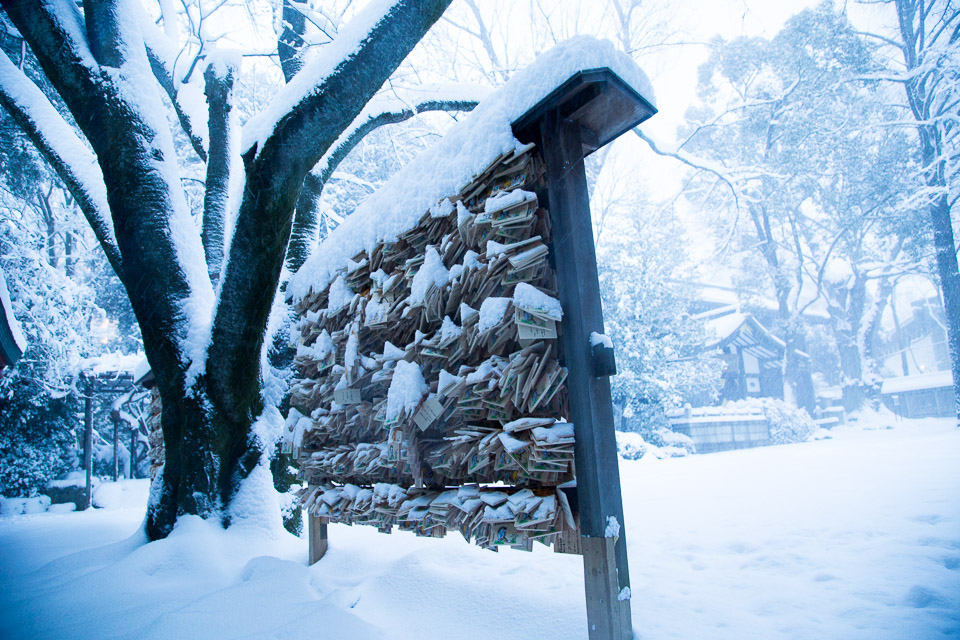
447,380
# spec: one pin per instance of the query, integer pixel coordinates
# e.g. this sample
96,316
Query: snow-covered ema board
430,394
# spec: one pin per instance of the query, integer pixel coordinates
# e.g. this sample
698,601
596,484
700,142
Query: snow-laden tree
926,63
202,292
53,301
788,138
661,360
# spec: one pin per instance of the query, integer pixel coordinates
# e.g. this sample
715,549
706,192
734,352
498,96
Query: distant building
920,396
753,356
917,344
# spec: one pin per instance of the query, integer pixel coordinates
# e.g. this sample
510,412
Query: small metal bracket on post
604,361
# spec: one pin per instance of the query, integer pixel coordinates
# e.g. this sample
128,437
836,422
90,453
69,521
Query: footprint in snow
930,518
922,597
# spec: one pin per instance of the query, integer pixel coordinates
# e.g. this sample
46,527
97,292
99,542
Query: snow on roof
934,380
466,149
717,294
724,326
141,370
12,322
111,363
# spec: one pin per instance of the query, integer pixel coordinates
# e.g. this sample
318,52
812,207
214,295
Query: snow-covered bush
665,444
23,506
630,446
36,440
788,423
671,443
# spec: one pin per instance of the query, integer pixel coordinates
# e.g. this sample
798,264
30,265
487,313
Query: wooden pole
116,434
133,452
317,538
606,573
88,439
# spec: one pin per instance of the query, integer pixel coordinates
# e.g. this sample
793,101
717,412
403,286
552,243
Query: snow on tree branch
307,89
280,147
61,146
223,170
388,107
396,106
192,122
691,161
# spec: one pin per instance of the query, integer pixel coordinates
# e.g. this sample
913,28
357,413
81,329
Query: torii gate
103,382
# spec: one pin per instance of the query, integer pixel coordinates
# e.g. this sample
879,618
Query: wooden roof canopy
9,350
602,104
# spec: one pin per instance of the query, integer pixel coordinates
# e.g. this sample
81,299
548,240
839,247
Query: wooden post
88,439
606,573
133,452
317,538
116,433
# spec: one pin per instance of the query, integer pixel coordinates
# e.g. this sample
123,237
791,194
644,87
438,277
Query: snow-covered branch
390,107
280,147
395,106
193,124
219,78
691,161
63,149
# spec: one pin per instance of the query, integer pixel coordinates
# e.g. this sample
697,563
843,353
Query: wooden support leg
133,453
116,460
317,537
607,615
88,442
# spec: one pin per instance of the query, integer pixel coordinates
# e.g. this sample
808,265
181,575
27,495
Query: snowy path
853,537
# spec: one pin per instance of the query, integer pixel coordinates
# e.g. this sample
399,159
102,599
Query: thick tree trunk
846,319
304,231
949,273
274,175
923,30
882,299
207,418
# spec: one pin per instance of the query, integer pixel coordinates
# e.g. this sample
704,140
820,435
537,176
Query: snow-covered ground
857,536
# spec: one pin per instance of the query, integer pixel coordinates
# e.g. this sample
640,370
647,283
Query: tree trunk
846,319
209,405
949,284
921,27
50,222
227,399
69,258
218,88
